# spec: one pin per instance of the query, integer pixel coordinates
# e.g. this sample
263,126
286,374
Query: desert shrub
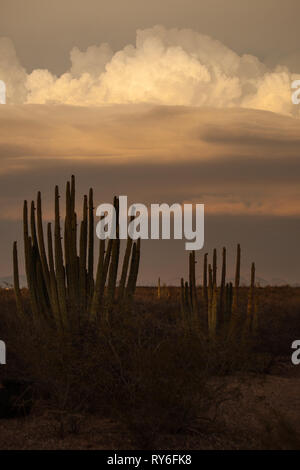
142,368
278,432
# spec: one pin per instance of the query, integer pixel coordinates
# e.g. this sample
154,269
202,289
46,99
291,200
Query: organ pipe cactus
185,300
219,304
158,289
235,313
214,268
134,267
237,279
192,276
228,301
182,300
204,288
250,322
222,286
61,281
214,313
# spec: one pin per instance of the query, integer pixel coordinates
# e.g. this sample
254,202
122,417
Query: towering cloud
171,67
12,73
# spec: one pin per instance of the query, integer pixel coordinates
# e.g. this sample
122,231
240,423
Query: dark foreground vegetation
144,379
151,368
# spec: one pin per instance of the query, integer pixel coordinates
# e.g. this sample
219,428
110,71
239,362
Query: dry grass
142,381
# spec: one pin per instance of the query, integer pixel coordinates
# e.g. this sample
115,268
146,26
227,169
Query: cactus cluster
220,303
61,281
163,291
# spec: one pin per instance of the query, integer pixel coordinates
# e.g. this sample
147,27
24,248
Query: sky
164,101
45,31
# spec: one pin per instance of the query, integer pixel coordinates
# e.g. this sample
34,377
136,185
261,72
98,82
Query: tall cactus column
59,266
237,279
221,304
235,314
222,299
61,282
192,278
250,322
204,287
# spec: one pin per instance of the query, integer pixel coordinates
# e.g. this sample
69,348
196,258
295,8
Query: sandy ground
264,415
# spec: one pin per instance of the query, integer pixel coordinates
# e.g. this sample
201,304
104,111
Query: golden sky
197,110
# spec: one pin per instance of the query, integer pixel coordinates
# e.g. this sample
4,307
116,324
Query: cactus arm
215,267
42,245
97,290
250,304
53,283
59,266
91,244
125,266
205,293
113,269
82,260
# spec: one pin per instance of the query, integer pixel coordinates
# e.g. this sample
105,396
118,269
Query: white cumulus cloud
165,66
